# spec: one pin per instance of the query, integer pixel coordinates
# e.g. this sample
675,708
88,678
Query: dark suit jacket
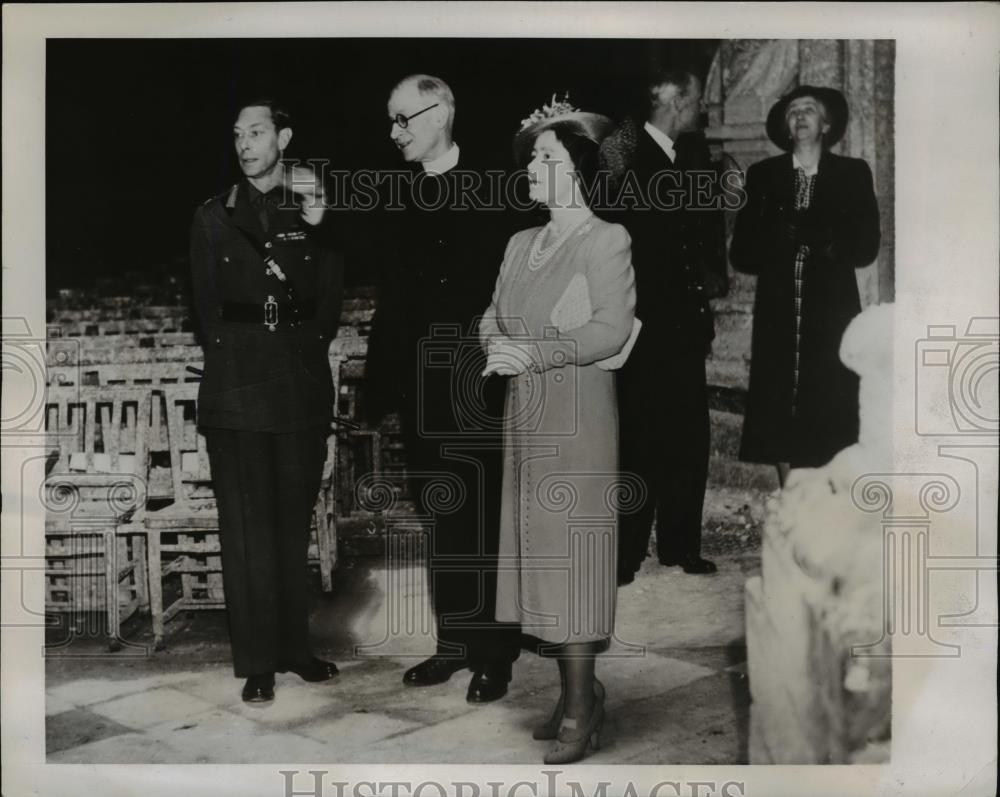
667,248
256,380
841,228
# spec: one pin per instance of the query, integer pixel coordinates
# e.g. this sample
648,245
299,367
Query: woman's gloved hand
506,357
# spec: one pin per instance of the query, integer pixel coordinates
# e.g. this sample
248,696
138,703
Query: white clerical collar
442,164
663,140
797,164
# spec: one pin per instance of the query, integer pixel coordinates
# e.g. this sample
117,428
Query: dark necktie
265,205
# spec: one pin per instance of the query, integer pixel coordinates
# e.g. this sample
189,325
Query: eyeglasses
403,121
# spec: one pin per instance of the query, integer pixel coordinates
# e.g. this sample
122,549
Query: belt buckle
270,313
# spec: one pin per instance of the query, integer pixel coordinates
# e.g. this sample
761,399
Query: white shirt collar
663,140
797,164
442,164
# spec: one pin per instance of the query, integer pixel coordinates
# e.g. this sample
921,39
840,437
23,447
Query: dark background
138,131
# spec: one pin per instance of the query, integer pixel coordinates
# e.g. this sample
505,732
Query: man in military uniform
663,396
267,287
425,361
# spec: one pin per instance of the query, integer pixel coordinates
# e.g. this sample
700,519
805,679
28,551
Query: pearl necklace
539,256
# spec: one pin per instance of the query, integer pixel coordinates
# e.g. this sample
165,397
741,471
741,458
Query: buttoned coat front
558,524
265,404
256,379
807,429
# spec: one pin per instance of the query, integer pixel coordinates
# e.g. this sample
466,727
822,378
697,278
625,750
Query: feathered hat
594,126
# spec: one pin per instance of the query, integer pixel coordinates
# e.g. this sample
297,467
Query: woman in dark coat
810,219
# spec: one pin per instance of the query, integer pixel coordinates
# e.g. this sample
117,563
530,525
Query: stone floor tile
428,705
274,747
57,705
704,722
216,685
684,699
646,677
215,735
88,691
667,607
146,709
77,727
378,686
492,733
348,736
129,748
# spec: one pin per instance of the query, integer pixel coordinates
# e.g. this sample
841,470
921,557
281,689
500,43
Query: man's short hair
430,86
280,115
682,78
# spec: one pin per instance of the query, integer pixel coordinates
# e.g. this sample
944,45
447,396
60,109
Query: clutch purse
573,310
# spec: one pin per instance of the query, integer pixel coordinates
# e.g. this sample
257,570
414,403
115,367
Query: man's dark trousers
665,439
266,486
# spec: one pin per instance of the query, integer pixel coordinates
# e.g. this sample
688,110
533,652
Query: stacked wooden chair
95,496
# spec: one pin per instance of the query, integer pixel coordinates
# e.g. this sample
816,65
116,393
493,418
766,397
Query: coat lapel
243,215
784,184
826,179
651,155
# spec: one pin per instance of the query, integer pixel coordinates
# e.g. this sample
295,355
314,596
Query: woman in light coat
563,303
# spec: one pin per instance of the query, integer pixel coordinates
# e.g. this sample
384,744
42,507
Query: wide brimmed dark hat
836,115
594,126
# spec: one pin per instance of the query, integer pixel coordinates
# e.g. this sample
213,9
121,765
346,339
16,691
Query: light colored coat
558,521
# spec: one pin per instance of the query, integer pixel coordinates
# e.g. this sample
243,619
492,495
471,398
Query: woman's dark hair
583,151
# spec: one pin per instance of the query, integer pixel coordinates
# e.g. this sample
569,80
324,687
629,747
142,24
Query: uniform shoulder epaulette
223,196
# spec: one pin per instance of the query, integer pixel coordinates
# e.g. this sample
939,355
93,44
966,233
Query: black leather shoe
259,689
432,671
314,670
692,564
488,684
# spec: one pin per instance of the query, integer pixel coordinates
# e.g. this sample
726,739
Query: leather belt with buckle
271,313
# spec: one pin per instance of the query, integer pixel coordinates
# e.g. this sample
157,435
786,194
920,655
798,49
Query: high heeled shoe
572,744
550,728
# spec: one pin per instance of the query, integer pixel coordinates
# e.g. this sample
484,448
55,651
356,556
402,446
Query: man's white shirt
442,164
663,141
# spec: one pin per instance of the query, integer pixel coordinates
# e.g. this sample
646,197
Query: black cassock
439,265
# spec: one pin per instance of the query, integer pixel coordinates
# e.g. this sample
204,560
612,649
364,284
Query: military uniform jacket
257,379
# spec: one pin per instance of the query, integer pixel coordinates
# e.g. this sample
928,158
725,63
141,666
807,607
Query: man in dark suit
425,361
267,287
663,399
